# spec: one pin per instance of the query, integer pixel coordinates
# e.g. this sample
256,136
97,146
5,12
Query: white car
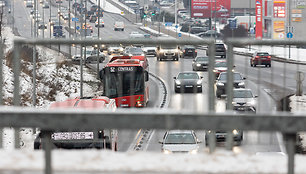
119,25
244,100
180,141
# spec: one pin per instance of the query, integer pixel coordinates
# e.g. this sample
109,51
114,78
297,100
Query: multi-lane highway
264,82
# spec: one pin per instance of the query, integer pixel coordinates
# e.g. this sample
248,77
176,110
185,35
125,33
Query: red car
261,58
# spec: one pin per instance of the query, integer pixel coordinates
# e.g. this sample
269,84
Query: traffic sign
78,27
75,19
289,35
179,34
176,26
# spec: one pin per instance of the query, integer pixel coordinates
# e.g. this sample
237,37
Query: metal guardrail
68,120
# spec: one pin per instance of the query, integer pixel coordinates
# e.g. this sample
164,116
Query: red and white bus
100,139
125,79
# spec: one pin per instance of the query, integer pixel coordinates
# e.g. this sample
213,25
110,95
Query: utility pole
175,12
69,24
215,18
249,22
289,27
50,19
34,56
99,46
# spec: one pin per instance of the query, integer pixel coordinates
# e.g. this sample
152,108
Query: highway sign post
179,34
75,19
289,35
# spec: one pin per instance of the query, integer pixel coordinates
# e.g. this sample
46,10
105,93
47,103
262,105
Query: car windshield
219,46
123,83
243,94
188,76
180,138
220,64
202,59
262,54
169,47
223,77
135,50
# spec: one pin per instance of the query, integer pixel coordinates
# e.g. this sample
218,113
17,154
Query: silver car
180,141
244,100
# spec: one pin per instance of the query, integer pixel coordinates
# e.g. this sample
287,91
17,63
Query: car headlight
130,54
198,64
102,46
220,84
165,151
214,70
241,84
194,151
234,103
142,54
120,49
199,82
235,132
178,82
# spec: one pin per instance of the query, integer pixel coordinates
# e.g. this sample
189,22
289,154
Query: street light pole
289,25
175,12
215,18
69,24
50,19
98,58
249,22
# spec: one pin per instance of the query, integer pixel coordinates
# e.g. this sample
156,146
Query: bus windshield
123,83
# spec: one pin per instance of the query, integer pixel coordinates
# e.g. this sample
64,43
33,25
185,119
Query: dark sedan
222,79
188,82
189,51
200,63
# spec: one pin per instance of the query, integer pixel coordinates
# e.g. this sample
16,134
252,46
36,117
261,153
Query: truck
99,139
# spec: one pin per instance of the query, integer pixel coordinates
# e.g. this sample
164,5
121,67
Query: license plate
220,136
72,136
240,109
189,86
190,51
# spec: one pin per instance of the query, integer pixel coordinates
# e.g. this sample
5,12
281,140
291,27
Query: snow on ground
106,161
297,54
298,105
108,7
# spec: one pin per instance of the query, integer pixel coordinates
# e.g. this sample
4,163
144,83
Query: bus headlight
139,104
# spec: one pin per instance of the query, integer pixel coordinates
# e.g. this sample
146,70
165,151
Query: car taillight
257,57
269,57
195,51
